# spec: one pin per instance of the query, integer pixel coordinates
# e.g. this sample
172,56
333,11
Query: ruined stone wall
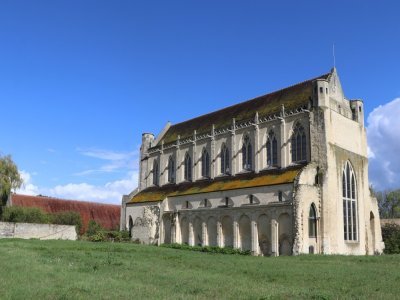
37,231
145,222
306,192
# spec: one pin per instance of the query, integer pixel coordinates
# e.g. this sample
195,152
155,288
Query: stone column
274,238
219,234
236,237
177,231
254,238
204,234
191,234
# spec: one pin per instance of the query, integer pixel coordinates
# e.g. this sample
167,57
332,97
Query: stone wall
37,231
143,222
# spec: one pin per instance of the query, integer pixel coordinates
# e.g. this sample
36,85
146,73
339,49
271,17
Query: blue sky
81,80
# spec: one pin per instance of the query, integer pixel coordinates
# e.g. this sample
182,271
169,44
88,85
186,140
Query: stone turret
147,140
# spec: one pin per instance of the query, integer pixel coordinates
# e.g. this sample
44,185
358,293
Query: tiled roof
247,180
292,97
107,215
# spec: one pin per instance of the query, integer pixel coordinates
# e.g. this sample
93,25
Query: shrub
391,238
209,249
93,228
68,218
18,214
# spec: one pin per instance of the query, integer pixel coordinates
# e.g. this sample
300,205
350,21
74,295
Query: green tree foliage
18,214
93,228
96,233
68,218
391,238
389,203
10,179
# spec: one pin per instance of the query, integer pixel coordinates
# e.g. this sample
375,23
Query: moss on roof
292,97
248,180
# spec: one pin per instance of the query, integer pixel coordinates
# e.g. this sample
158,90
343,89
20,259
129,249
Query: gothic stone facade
285,173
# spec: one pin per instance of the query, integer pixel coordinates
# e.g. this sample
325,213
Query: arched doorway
197,232
212,231
372,229
184,231
285,230
167,229
245,233
264,235
227,231
130,226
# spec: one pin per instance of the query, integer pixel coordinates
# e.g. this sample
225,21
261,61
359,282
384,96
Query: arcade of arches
263,233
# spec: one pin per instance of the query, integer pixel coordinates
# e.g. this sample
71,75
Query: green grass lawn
32,269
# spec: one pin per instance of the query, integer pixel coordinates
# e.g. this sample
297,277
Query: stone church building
285,173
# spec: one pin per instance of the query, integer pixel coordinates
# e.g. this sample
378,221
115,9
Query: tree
389,203
10,179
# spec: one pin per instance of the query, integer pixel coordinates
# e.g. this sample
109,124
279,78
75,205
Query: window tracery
247,157
205,164
349,195
272,150
171,170
299,144
188,167
225,160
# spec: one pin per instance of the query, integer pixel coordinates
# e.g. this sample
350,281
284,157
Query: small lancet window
272,150
171,170
225,160
205,164
188,167
298,143
312,222
155,172
251,199
247,156
280,196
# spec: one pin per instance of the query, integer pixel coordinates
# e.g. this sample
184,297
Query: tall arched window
155,172
349,204
188,167
312,222
205,164
299,142
224,160
272,150
171,170
247,156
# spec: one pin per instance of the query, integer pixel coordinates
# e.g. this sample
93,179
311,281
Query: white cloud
111,192
27,188
383,132
116,161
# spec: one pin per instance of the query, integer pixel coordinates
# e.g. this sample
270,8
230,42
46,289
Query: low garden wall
37,231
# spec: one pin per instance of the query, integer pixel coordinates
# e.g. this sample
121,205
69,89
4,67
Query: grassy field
31,269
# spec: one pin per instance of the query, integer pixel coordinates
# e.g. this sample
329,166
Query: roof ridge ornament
282,111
